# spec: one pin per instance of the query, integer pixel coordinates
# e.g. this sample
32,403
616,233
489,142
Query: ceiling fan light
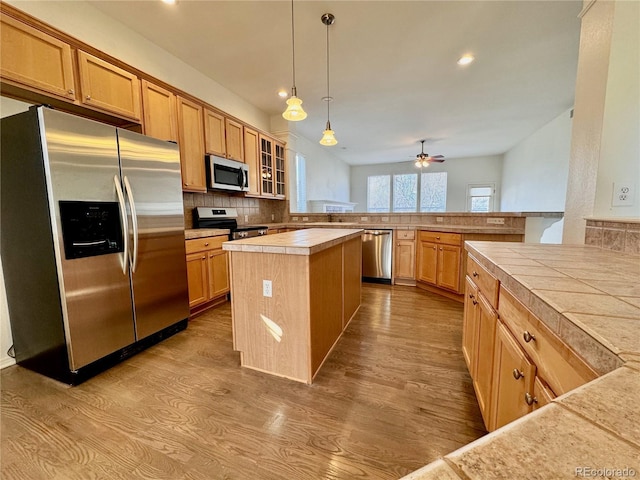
294,111
328,138
418,163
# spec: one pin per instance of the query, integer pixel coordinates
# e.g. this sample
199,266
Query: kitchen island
292,296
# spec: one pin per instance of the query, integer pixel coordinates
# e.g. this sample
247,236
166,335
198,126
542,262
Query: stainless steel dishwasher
376,256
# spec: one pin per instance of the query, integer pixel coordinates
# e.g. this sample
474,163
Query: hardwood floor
393,395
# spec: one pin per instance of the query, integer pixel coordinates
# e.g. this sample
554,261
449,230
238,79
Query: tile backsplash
611,234
251,211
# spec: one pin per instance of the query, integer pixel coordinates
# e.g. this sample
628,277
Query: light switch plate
623,193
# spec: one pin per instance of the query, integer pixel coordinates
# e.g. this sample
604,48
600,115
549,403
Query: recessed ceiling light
283,94
466,59
169,2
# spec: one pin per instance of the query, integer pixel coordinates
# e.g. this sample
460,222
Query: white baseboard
6,361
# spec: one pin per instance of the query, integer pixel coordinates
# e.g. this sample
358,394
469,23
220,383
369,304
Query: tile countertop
404,226
192,233
591,298
300,242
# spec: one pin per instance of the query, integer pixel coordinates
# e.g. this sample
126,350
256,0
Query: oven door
224,174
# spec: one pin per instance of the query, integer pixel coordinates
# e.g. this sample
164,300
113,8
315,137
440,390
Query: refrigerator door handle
125,227
134,222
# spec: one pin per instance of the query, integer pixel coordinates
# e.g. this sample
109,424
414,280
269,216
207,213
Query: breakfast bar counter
292,296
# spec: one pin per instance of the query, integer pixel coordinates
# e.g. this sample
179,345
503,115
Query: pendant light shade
328,136
294,111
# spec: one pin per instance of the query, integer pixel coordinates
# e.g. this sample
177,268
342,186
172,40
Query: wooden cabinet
36,60
272,168
108,88
160,112
439,260
207,270
513,379
404,257
223,136
191,142
516,362
252,159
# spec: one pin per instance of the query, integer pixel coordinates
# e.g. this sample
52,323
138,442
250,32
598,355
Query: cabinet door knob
206,244
475,274
440,248
437,238
528,337
203,258
88,97
434,248
71,91
530,399
517,374
475,302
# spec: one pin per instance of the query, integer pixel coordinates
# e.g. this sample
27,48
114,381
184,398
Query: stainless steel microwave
225,174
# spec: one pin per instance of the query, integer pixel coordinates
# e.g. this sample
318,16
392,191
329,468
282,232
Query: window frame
492,197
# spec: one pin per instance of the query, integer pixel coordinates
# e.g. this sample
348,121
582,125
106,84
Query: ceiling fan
424,159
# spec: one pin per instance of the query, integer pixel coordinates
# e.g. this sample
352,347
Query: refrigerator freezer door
153,185
81,159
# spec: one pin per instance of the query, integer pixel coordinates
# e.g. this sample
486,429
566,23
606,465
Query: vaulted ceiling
394,76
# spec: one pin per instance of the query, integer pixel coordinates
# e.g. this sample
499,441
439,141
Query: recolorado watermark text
605,472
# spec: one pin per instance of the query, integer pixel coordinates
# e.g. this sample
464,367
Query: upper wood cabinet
266,166
280,172
105,87
35,60
224,136
191,142
160,112
252,159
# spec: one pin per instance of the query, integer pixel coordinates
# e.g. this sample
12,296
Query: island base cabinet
487,320
290,330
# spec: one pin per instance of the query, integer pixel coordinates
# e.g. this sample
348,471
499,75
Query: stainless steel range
227,218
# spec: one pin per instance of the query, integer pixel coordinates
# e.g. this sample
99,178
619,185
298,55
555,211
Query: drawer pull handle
206,244
528,337
530,399
475,274
517,374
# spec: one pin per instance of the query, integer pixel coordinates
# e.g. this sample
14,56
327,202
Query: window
301,184
480,197
433,192
379,193
405,192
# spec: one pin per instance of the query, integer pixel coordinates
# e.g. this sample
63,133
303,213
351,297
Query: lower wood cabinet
516,362
439,261
404,257
207,270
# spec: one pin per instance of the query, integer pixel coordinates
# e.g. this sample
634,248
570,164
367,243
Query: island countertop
300,242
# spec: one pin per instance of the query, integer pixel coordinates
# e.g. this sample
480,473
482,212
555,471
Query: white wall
460,173
535,171
620,145
86,23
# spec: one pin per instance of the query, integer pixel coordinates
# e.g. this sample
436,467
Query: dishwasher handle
377,232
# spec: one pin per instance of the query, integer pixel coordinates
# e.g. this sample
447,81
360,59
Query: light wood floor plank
393,395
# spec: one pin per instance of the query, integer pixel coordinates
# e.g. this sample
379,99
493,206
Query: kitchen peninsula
292,295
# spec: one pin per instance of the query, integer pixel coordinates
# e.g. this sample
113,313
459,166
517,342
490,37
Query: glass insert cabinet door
266,165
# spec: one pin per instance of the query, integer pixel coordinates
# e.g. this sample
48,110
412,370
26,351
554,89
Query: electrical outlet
385,219
495,221
305,219
267,288
622,194
439,219
295,219
273,217
364,219
246,218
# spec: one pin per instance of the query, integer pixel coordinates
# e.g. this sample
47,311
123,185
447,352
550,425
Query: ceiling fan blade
437,156
436,160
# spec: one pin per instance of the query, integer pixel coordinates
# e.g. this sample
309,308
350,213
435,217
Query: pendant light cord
293,49
328,95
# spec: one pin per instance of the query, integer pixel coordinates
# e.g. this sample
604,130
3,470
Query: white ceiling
394,75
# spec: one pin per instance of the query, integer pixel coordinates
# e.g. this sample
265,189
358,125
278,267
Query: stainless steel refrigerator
92,241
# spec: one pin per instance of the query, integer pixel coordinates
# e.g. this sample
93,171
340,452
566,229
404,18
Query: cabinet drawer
557,364
406,234
486,282
207,243
441,237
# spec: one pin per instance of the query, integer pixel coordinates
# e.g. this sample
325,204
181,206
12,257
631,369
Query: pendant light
328,138
294,111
